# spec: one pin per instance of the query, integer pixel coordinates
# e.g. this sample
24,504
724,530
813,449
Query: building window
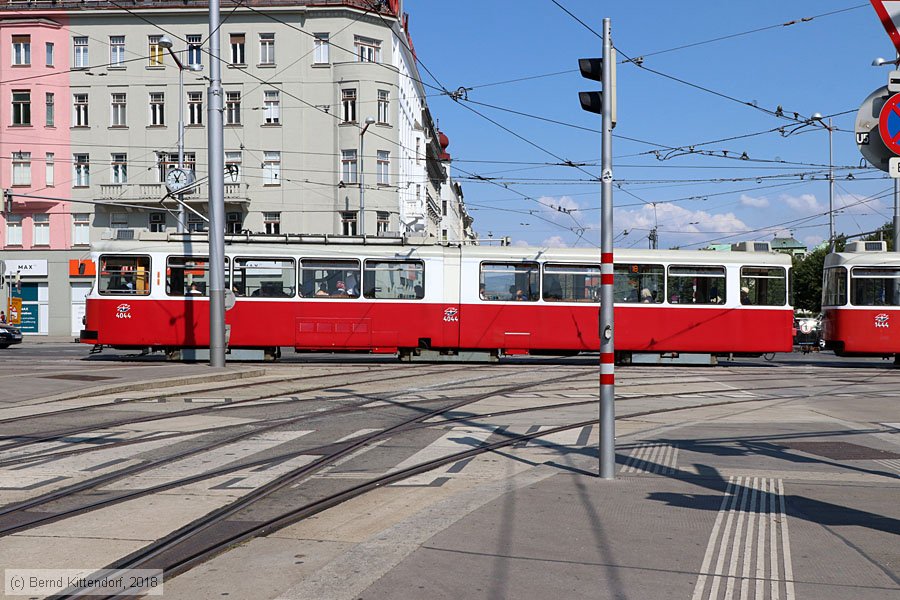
21,168
117,51
81,165
367,49
13,230
443,208
166,161
195,108
41,223
117,110
272,221
348,166
119,168
195,49
50,112
418,151
21,50
80,45
267,48
383,167
348,222
157,109
348,98
195,222
271,168
320,56
21,107
232,108
233,167
382,223
384,105
237,49
49,165
234,224
157,222
81,229
48,47
118,220
155,52
79,110
272,107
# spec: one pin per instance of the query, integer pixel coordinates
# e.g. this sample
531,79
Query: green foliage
886,233
808,280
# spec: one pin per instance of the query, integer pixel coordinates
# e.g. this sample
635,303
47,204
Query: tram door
452,290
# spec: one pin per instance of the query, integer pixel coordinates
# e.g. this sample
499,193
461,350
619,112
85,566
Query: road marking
748,503
456,440
652,457
892,464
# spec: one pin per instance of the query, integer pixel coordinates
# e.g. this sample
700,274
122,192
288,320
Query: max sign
26,268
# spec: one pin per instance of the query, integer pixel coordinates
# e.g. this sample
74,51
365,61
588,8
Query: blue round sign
889,124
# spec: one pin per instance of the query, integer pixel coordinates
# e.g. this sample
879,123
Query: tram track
238,404
214,533
19,508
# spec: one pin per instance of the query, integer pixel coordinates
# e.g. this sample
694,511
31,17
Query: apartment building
324,109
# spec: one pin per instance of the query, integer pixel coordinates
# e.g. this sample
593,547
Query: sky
677,144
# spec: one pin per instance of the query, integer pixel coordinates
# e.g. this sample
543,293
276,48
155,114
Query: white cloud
549,209
806,203
760,202
677,226
555,241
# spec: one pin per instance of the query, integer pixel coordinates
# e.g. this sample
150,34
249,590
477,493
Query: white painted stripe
751,521
356,434
711,546
207,461
786,546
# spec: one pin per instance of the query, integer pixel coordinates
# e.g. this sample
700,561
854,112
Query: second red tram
861,301
388,297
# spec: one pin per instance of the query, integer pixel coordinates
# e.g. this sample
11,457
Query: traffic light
592,68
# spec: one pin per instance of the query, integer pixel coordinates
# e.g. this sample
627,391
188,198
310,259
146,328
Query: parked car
9,335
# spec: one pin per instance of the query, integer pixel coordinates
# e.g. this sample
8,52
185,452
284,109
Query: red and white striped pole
607,346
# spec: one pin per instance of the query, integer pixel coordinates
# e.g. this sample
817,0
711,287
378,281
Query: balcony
142,193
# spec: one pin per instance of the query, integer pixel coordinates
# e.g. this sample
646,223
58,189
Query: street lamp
165,42
362,186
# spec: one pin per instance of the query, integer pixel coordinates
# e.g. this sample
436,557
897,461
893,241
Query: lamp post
362,186
165,42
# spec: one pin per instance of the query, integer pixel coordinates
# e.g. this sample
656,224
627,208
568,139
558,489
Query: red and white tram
385,296
861,301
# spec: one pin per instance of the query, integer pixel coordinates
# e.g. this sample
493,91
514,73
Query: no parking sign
889,124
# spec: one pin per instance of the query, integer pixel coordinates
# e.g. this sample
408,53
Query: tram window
264,277
636,283
189,275
696,285
835,287
875,286
402,279
571,283
323,278
127,275
765,286
509,281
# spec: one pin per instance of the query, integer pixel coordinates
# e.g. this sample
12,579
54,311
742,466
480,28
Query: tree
808,280
886,233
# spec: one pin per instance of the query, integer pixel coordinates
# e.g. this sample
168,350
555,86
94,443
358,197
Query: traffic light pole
216,162
607,344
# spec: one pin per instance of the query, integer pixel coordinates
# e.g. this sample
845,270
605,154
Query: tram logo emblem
123,311
451,315
881,320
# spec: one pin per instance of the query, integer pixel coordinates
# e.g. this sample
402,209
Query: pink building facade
35,120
